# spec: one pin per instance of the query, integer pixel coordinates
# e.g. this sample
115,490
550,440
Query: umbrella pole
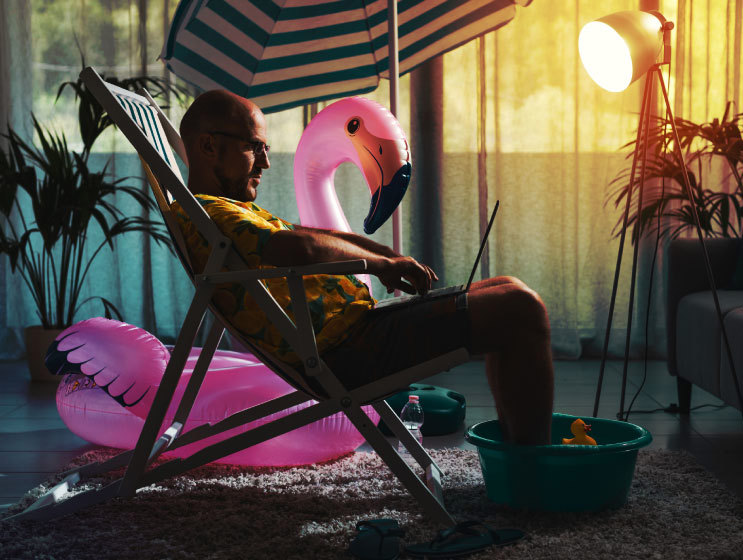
394,93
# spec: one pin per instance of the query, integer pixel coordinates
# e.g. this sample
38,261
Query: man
226,143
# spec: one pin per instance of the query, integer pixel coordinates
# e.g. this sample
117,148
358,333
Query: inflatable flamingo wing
124,361
111,374
363,132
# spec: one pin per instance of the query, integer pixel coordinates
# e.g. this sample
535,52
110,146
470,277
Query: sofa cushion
734,328
736,282
698,336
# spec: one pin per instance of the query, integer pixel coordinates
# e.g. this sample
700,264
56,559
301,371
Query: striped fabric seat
145,116
286,53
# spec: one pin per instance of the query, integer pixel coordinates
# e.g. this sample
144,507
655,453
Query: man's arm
356,239
304,246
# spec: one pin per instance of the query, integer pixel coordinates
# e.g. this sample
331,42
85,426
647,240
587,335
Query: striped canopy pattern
285,53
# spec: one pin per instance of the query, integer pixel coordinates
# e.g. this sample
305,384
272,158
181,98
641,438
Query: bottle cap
413,398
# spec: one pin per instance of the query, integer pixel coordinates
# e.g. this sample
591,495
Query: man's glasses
256,146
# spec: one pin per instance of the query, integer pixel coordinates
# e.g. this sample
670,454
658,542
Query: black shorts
390,340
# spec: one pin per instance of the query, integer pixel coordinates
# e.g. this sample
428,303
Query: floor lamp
616,50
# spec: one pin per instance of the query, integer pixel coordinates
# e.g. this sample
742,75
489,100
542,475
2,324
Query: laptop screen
482,245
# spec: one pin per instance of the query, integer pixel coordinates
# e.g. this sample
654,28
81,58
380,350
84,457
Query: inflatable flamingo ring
112,372
112,369
364,132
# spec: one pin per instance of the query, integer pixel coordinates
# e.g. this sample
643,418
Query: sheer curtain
45,44
511,116
523,123
15,104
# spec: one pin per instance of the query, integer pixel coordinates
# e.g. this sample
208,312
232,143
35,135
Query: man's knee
530,311
505,316
510,280
499,281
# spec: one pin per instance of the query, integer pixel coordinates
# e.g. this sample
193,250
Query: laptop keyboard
407,299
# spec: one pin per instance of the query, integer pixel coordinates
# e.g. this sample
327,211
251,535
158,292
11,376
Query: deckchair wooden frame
166,182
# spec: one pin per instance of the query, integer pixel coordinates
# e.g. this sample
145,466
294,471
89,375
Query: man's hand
403,273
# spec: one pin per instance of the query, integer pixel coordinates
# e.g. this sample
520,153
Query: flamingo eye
353,126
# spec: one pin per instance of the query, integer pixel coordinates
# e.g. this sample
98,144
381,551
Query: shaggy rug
676,509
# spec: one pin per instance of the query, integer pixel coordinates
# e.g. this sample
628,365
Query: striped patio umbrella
285,53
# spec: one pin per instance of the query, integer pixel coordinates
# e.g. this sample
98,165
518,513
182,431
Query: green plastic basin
559,477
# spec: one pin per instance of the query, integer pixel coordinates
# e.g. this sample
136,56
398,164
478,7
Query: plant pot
38,340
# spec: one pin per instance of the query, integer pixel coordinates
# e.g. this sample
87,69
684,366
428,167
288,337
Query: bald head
216,110
220,131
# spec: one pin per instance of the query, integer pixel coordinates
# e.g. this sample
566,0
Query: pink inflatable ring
360,131
112,371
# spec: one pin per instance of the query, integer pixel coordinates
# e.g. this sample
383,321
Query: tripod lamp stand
616,50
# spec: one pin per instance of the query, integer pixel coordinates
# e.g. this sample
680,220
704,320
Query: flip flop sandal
464,539
377,539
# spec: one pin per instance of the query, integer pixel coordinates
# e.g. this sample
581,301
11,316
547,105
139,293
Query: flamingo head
386,167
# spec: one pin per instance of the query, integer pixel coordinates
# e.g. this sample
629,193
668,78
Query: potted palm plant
49,200
720,213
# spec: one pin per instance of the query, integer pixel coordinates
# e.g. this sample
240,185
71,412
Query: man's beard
236,189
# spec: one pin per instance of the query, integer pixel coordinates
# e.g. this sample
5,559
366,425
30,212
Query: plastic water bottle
412,419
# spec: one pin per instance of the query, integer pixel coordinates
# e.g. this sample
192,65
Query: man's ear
206,146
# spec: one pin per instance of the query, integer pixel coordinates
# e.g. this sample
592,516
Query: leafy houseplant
45,238
665,197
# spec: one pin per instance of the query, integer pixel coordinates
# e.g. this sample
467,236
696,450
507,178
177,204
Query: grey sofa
696,353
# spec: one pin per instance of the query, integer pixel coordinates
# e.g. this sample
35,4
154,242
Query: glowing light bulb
605,56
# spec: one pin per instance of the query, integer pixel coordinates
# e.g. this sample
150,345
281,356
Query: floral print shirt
335,302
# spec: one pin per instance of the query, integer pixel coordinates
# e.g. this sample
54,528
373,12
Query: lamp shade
619,48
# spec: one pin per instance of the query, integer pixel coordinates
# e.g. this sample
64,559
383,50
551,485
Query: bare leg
509,324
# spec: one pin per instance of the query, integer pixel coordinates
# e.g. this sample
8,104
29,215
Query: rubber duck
580,430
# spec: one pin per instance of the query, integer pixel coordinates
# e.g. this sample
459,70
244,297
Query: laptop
441,292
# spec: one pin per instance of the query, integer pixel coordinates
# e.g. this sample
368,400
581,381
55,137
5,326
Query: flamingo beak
386,166
385,199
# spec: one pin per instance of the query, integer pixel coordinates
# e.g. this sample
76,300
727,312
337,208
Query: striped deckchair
150,132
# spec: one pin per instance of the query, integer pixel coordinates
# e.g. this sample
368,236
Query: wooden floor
35,443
